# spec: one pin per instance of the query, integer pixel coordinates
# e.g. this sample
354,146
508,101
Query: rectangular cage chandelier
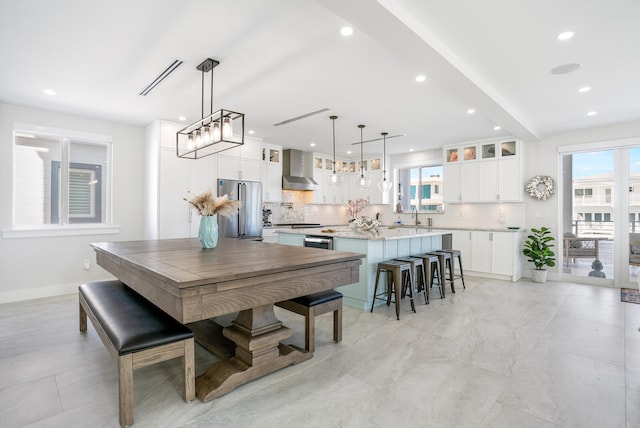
215,133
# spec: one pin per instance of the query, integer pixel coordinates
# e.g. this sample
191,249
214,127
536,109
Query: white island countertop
383,233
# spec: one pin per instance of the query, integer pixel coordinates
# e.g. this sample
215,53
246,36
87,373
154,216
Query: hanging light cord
361,155
384,155
333,120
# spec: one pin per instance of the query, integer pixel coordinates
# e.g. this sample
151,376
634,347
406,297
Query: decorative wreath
540,187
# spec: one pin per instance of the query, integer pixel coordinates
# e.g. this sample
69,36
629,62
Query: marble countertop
439,230
383,233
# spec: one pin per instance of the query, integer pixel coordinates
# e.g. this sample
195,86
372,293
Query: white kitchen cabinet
170,179
271,173
492,254
461,240
481,247
502,253
243,162
510,184
322,172
452,182
483,173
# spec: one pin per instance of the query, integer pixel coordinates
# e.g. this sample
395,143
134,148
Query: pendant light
364,182
211,134
383,184
336,178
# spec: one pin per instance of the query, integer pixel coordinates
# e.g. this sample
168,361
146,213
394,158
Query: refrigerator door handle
242,197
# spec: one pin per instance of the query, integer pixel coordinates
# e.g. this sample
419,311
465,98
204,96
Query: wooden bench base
316,304
127,362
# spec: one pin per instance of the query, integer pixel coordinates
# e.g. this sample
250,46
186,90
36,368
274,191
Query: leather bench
137,334
316,304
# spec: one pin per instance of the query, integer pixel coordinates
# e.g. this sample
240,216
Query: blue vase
208,231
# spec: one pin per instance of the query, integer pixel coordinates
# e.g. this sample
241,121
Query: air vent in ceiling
155,82
304,116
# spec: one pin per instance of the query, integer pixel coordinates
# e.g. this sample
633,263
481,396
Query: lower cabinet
269,235
489,253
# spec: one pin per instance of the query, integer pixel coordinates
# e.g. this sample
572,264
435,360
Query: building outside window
60,177
425,187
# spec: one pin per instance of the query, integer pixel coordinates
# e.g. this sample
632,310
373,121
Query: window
598,216
607,216
584,192
587,216
60,177
425,188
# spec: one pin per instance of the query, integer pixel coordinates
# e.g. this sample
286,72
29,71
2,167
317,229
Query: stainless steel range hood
294,174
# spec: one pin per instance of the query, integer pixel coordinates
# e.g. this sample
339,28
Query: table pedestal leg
257,334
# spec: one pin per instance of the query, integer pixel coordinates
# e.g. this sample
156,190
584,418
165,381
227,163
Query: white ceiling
283,58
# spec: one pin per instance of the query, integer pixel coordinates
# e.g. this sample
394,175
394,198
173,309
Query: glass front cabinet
483,172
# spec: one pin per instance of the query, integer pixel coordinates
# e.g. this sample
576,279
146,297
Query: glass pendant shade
335,179
364,182
383,185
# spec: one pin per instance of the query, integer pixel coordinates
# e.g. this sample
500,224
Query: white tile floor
497,354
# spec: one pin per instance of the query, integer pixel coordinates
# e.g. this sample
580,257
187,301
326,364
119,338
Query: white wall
40,267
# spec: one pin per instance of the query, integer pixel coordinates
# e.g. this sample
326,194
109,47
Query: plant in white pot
537,248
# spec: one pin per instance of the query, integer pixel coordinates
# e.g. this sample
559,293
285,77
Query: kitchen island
384,244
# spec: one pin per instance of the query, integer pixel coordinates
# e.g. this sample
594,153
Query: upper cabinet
271,171
243,162
483,172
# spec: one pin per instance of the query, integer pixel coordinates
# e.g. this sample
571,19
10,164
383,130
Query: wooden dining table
195,285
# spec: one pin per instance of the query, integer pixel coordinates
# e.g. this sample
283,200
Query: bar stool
394,270
432,263
457,254
445,263
419,276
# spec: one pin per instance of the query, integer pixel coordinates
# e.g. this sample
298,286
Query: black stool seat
131,322
318,298
315,304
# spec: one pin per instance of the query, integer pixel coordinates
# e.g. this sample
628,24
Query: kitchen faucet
415,212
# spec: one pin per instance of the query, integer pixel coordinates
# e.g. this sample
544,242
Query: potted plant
537,248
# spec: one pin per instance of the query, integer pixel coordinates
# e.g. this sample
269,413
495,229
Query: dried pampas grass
206,204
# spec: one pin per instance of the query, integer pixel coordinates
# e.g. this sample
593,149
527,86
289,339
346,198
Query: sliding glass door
600,216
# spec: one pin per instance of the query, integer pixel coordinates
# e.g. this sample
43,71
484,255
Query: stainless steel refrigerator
247,224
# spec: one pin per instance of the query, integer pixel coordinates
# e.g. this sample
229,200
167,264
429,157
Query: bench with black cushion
138,334
316,304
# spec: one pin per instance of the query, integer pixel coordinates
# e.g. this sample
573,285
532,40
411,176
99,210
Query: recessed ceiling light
496,128
421,78
566,68
251,131
592,113
584,89
346,31
410,150
471,111
565,35
312,144
348,152
49,92
182,118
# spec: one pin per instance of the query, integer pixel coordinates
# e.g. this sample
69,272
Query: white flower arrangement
540,187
